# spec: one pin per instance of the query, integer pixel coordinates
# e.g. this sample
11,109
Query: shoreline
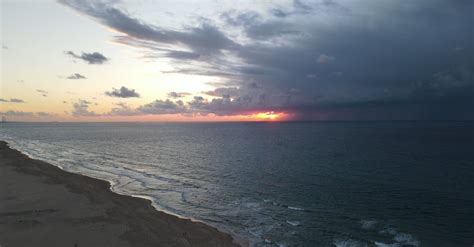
44,205
241,241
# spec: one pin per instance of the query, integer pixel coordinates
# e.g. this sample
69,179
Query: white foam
256,233
293,223
388,231
378,244
349,243
406,239
400,238
282,244
296,208
368,224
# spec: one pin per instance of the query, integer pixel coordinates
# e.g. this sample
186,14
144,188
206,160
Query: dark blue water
286,184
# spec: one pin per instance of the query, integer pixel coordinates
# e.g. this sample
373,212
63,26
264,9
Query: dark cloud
90,58
182,55
42,92
45,114
210,72
248,99
323,58
17,113
299,7
270,29
278,13
12,100
159,107
256,27
223,92
12,113
5,47
227,101
236,19
122,109
15,100
76,76
320,59
205,39
178,95
123,92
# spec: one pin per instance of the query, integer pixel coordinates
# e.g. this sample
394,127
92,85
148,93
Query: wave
368,224
293,223
277,204
349,243
398,239
378,244
296,208
119,177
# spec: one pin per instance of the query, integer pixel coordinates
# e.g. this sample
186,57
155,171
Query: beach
42,205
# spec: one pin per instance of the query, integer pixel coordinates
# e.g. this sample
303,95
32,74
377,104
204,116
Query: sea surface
283,184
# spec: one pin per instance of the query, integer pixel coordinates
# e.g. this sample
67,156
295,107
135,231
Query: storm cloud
317,59
204,39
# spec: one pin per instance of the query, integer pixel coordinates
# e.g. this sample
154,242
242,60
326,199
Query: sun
270,115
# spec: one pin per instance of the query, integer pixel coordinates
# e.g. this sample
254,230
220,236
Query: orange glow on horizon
259,116
270,116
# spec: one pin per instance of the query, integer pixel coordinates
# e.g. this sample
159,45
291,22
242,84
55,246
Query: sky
208,60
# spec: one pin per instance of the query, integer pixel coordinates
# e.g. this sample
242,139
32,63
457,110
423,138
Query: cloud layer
315,59
12,113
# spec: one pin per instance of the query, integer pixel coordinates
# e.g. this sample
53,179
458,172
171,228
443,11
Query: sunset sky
212,60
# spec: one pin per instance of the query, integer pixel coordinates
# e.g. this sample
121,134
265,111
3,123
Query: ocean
282,183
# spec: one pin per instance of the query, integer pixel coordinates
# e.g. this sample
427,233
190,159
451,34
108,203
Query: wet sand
42,205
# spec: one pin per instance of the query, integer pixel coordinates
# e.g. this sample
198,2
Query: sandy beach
42,205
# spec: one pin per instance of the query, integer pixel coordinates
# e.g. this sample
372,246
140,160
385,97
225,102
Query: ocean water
283,184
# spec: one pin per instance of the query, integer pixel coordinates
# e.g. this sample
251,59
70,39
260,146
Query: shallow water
283,184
